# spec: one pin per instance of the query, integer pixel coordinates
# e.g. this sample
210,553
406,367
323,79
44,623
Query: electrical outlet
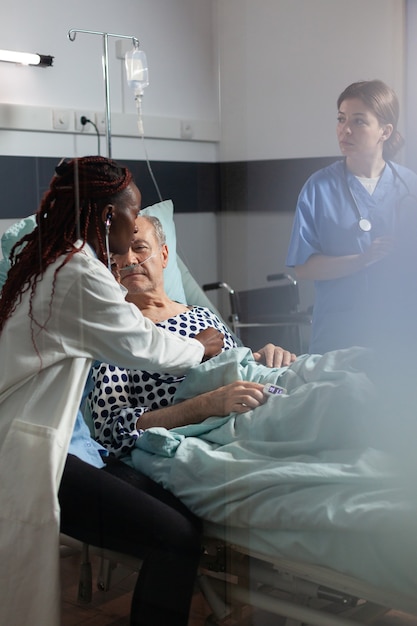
186,129
83,128
61,119
100,119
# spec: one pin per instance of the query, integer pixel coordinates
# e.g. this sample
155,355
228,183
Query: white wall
284,62
411,85
177,36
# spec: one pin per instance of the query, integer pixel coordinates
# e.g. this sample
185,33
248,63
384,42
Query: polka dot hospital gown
121,396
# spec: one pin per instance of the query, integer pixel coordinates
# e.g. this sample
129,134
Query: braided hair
69,211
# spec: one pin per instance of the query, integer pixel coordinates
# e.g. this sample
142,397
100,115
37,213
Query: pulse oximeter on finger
274,390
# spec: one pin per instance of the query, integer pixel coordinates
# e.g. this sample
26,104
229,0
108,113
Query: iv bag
136,70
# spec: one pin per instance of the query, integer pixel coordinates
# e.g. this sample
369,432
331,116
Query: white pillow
173,284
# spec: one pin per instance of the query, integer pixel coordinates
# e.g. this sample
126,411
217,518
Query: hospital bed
291,574
283,574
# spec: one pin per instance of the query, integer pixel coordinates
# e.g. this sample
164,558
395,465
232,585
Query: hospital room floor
111,608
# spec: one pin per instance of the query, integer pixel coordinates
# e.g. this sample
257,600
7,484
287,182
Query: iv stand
71,36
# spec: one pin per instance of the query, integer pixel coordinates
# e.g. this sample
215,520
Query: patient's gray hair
157,226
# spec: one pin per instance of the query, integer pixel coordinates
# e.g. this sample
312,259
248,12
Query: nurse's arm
323,267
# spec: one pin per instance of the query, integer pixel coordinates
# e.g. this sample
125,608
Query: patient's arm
237,397
125,402
274,356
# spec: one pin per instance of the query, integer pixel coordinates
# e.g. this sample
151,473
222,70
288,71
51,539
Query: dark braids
69,210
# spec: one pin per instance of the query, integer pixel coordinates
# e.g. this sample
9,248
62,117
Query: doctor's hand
212,341
274,356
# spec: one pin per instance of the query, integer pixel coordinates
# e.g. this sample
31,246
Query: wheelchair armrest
233,300
211,286
281,276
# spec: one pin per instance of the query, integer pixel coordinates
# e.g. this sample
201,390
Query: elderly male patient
124,403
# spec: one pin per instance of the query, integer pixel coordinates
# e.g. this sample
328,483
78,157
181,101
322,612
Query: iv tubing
138,101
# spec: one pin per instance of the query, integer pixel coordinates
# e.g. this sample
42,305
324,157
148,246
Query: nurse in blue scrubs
349,221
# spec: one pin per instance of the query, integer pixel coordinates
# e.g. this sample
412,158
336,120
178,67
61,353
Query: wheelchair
268,314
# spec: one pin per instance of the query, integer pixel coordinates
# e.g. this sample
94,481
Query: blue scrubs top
327,222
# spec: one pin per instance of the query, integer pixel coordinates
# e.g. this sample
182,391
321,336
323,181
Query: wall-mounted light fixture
26,58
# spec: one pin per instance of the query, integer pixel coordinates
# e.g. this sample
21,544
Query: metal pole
107,91
71,36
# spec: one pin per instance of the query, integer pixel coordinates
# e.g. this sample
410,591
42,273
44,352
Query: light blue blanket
302,476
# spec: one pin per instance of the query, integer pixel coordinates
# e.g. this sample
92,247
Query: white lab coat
40,391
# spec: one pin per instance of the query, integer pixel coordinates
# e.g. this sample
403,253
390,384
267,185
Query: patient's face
141,269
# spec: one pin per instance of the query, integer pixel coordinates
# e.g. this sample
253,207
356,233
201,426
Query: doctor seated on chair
119,415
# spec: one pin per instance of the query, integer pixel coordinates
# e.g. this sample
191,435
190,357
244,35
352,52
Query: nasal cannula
135,265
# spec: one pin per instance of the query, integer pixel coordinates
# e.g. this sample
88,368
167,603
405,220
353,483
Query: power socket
61,119
79,126
186,129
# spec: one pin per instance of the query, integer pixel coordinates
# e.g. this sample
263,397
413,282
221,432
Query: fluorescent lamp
26,58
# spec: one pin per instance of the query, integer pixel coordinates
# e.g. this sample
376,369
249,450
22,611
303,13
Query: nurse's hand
379,249
274,356
212,341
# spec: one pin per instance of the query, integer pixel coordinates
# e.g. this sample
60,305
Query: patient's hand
274,356
212,341
238,397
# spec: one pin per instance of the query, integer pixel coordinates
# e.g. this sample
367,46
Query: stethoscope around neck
365,224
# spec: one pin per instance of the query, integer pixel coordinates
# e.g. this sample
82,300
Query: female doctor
346,231
60,310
